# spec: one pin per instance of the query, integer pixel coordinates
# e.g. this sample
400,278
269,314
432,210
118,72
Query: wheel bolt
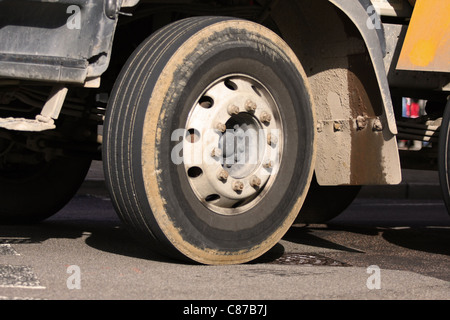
272,139
223,175
238,186
377,125
221,127
255,182
337,127
265,117
250,106
268,164
233,110
216,152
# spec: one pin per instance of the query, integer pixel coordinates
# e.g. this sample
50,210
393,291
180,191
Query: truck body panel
427,43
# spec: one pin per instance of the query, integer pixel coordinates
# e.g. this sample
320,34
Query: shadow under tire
168,79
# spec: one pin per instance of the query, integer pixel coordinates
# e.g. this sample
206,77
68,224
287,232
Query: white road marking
18,277
7,250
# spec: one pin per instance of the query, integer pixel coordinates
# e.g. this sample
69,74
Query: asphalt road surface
377,249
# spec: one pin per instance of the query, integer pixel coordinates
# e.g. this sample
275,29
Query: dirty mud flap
356,152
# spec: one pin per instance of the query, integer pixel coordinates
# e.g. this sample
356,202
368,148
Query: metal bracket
43,121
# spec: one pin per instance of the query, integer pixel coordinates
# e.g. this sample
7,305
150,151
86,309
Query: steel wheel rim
233,144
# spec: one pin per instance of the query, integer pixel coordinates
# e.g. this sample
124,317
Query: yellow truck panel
427,43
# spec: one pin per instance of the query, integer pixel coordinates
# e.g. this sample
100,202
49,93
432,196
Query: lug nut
221,127
272,139
250,106
238,186
216,153
255,182
265,117
233,110
268,164
223,175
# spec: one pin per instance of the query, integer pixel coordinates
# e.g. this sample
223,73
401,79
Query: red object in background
413,109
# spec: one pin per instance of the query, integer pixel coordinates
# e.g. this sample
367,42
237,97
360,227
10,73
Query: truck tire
32,193
444,157
179,175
